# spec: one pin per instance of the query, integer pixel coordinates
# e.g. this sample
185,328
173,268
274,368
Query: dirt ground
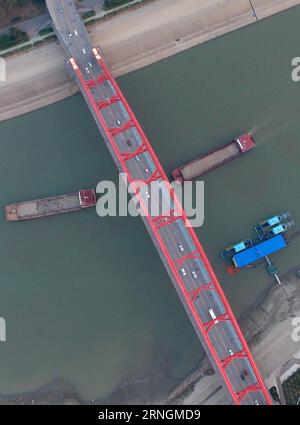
30,10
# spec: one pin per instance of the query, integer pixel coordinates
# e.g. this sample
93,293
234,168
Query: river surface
87,299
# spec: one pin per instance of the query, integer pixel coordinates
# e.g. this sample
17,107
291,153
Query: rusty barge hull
213,159
55,205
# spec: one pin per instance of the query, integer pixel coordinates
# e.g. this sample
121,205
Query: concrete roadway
175,236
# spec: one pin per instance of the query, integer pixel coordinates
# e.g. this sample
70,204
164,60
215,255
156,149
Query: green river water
88,299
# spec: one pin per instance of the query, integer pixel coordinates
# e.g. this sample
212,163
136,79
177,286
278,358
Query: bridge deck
176,242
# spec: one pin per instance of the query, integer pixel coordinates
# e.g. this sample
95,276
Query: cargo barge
55,205
214,158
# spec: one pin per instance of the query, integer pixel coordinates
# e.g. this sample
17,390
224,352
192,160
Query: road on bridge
176,242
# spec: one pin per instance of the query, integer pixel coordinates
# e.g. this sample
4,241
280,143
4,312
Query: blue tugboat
234,249
266,225
281,228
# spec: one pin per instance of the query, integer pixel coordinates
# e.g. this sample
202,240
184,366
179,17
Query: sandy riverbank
131,41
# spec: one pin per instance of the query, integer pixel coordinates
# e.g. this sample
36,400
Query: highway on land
181,253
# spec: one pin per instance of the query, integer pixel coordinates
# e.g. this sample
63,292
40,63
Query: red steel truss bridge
177,244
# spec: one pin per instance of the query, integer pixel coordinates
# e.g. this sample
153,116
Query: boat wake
277,118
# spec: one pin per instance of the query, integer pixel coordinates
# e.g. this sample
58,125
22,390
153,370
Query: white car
137,158
147,170
230,352
61,10
194,274
213,315
183,271
70,34
83,51
181,248
76,33
118,122
87,70
148,195
90,65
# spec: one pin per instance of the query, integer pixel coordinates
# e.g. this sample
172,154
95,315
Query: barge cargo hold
54,205
214,158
